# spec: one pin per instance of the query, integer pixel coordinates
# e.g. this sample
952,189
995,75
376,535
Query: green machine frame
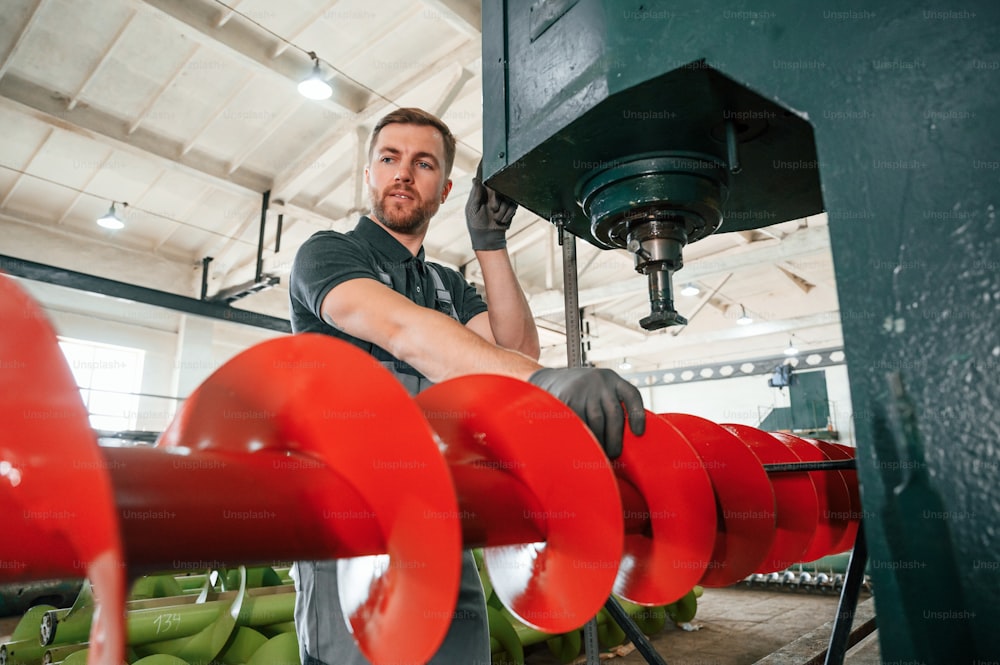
649,124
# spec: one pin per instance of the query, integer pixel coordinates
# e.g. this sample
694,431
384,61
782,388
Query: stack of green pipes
244,617
237,617
509,637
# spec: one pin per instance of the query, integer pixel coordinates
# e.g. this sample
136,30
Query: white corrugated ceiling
188,111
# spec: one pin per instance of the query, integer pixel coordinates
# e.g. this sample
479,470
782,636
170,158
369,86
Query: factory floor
737,627
741,626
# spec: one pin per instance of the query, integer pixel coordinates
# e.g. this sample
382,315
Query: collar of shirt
407,272
386,245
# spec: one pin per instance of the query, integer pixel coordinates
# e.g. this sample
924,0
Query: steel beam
38,102
109,287
22,33
463,15
256,49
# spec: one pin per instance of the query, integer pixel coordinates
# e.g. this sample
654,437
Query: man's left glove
600,398
488,215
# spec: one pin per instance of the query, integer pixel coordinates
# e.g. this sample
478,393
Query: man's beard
407,220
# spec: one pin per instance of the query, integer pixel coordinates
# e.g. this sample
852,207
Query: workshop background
183,118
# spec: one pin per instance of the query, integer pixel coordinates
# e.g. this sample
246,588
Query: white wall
746,400
170,370
841,410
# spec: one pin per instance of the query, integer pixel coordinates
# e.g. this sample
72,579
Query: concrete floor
738,627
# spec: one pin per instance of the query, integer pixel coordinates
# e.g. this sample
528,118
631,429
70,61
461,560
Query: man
373,288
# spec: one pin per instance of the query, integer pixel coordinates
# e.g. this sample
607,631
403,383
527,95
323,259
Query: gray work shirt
325,260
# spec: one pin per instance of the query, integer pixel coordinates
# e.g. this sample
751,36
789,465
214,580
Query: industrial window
109,378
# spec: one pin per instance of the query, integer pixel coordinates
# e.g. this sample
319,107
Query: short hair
415,116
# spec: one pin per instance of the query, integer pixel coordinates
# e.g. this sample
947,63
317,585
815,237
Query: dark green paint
903,99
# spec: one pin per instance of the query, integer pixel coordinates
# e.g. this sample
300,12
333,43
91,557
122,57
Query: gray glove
488,215
596,395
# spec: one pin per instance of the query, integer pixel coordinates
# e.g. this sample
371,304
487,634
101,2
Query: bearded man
425,324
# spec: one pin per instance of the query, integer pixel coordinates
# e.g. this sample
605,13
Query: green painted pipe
197,648
21,652
153,626
242,646
260,576
276,629
268,608
566,647
176,584
191,581
71,627
684,609
168,623
167,601
23,646
650,620
528,636
213,635
506,637
160,659
27,627
609,633
76,658
162,622
155,586
484,576
76,619
279,650
60,627
192,631
59,654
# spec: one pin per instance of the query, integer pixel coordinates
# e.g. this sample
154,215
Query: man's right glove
596,396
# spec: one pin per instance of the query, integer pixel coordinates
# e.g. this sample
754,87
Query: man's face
406,179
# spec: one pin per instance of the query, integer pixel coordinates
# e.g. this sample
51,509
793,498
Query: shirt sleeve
324,261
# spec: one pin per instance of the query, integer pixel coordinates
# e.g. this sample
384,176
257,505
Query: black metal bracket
641,642
848,604
76,280
831,465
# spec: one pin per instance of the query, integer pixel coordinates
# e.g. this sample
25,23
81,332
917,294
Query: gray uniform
324,638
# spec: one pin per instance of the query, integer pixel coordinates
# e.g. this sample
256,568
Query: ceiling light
110,219
745,319
791,350
625,365
690,290
315,87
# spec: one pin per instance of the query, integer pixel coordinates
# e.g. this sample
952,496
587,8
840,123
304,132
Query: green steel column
903,99
910,137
